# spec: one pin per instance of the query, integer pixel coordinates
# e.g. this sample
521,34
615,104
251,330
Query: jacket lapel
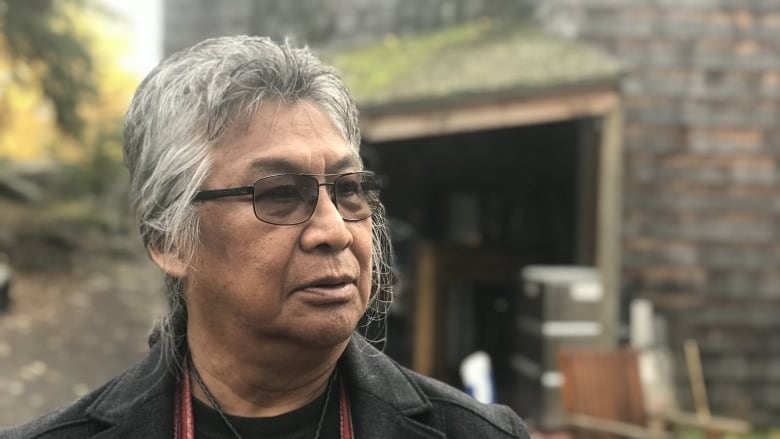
140,403
384,401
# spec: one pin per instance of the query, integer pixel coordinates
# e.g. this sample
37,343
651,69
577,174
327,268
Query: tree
44,50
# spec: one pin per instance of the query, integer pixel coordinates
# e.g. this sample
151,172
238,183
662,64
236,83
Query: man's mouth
329,289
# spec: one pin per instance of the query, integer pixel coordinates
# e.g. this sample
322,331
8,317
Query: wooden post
424,331
610,213
696,377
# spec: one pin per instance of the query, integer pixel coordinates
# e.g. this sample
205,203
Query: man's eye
279,193
348,187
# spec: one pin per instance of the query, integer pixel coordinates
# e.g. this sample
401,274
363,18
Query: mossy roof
486,59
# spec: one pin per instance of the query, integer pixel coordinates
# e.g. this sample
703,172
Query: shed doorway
468,211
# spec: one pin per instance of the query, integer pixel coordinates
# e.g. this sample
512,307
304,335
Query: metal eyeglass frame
214,194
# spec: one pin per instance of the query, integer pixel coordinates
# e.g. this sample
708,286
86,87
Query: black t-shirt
298,424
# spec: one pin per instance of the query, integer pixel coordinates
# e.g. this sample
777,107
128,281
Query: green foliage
40,34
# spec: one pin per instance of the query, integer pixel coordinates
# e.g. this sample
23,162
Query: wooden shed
501,148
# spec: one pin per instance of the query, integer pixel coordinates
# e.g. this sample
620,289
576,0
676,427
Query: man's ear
170,263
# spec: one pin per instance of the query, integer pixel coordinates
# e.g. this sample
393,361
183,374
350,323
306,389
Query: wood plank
482,116
424,338
603,396
713,423
610,211
617,428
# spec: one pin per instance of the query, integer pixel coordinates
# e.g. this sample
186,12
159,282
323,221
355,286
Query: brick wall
702,187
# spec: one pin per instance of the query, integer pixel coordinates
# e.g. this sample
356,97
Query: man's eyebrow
270,166
347,163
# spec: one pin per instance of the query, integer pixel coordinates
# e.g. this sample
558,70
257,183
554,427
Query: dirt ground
70,329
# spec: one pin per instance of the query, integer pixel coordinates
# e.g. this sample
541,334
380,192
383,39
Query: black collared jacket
387,401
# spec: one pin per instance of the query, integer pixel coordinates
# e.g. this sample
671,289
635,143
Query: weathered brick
730,114
688,4
698,229
705,204
645,252
611,25
729,316
770,21
769,395
719,140
755,6
641,139
672,275
728,367
747,282
773,139
726,61
755,169
731,397
639,55
664,115
762,257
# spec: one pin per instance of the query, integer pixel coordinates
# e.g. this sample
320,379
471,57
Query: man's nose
326,227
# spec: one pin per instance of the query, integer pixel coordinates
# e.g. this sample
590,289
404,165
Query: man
251,197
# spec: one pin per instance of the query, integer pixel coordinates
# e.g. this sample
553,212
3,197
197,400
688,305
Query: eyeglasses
289,199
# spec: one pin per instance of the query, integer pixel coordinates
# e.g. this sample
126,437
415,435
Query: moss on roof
483,58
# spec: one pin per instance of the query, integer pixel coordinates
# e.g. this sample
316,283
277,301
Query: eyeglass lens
291,199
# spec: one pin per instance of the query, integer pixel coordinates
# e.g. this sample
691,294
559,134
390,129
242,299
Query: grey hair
188,104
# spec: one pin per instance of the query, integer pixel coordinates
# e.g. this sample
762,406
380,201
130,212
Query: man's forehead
294,137
273,117
284,165
303,116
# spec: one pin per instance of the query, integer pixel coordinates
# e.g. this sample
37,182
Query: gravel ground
67,333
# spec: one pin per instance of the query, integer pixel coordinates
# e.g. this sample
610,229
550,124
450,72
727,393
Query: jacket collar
384,401
138,403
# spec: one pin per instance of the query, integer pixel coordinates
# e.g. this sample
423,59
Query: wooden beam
482,116
424,338
696,377
713,424
587,191
610,214
621,429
